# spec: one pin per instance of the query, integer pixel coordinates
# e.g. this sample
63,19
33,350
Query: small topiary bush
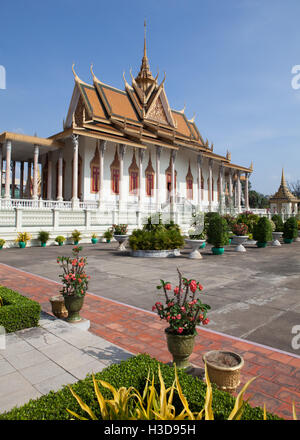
290,228
263,230
133,372
278,222
18,312
217,231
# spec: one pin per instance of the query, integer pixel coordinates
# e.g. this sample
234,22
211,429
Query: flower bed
132,372
17,311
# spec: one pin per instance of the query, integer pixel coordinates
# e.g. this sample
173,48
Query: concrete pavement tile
110,354
27,359
72,360
55,383
13,383
16,348
40,372
38,337
5,367
92,367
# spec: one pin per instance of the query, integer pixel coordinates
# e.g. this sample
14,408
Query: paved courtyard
253,295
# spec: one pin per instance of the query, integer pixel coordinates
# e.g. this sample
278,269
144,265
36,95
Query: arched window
95,177
115,173
189,183
169,178
149,173
133,171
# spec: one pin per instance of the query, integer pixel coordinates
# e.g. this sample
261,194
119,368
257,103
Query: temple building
284,202
121,154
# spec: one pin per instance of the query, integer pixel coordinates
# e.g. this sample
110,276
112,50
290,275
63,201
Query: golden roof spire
145,78
283,182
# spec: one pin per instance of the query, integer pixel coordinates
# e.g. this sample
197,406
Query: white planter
155,253
239,240
121,239
276,237
194,244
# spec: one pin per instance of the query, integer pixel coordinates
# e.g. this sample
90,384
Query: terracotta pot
58,306
180,347
227,378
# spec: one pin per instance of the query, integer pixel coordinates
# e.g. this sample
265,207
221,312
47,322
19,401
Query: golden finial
228,155
95,79
212,146
145,54
74,73
251,166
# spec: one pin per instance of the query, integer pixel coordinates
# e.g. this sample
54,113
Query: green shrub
43,236
60,239
249,219
76,235
18,312
156,236
2,242
290,228
132,372
231,221
278,222
263,230
217,232
108,235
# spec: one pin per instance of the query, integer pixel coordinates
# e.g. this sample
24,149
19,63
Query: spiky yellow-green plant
129,404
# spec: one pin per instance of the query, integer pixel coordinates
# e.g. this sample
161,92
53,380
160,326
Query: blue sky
229,61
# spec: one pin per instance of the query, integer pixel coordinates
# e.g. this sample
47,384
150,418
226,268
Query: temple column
102,148
157,180
122,149
49,177
7,173
75,142
230,186
238,191
210,186
173,192
29,166
221,190
141,186
60,176
199,173
247,191
13,179
22,180
1,165
35,172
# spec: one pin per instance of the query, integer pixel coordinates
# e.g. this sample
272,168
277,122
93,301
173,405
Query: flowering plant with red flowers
74,278
240,229
182,310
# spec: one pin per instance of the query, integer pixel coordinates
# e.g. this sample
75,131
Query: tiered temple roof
136,116
283,194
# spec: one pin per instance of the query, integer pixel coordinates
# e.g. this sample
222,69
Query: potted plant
76,236
223,368
22,239
183,311
60,239
2,243
94,238
75,283
240,231
43,236
120,234
196,240
262,232
278,231
108,235
217,234
290,230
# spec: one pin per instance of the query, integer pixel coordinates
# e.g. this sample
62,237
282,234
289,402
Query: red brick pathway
138,331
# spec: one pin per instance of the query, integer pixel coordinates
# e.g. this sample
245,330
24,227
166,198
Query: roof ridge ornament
95,79
182,110
75,74
193,118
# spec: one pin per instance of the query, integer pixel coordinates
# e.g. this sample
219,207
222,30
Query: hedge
18,312
132,372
